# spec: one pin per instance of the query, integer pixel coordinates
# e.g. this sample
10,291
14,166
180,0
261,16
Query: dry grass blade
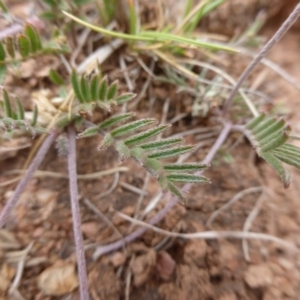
231,202
65,176
209,235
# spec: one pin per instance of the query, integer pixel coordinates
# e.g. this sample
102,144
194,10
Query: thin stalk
170,204
27,176
261,54
72,168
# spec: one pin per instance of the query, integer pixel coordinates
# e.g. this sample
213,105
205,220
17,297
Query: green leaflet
125,129
10,46
186,178
112,90
171,152
91,131
84,89
161,143
256,121
20,110
23,45
184,167
145,135
2,53
2,72
55,77
102,91
274,128
3,7
124,98
34,38
275,135
115,119
288,158
7,105
261,126
277,165
94,87
288,149
76,87
35,115
176,191
274,143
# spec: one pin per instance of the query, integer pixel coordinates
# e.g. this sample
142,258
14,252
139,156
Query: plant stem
16,28
170,204
27,176
261,54
72,168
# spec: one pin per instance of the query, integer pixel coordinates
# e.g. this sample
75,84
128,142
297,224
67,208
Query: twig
248,223
132,188
261,54
128,278
144,89
276,68
232,201
209,235
124,69
111,189
195,130
8,149
142,196
8,182
72,168
21,264
170,204
102,216
28,175
66,176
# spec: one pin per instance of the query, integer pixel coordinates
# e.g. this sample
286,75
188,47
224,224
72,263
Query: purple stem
262,53
27,176
101,250
72,168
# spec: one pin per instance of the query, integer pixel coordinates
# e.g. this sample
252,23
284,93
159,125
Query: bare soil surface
155,267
